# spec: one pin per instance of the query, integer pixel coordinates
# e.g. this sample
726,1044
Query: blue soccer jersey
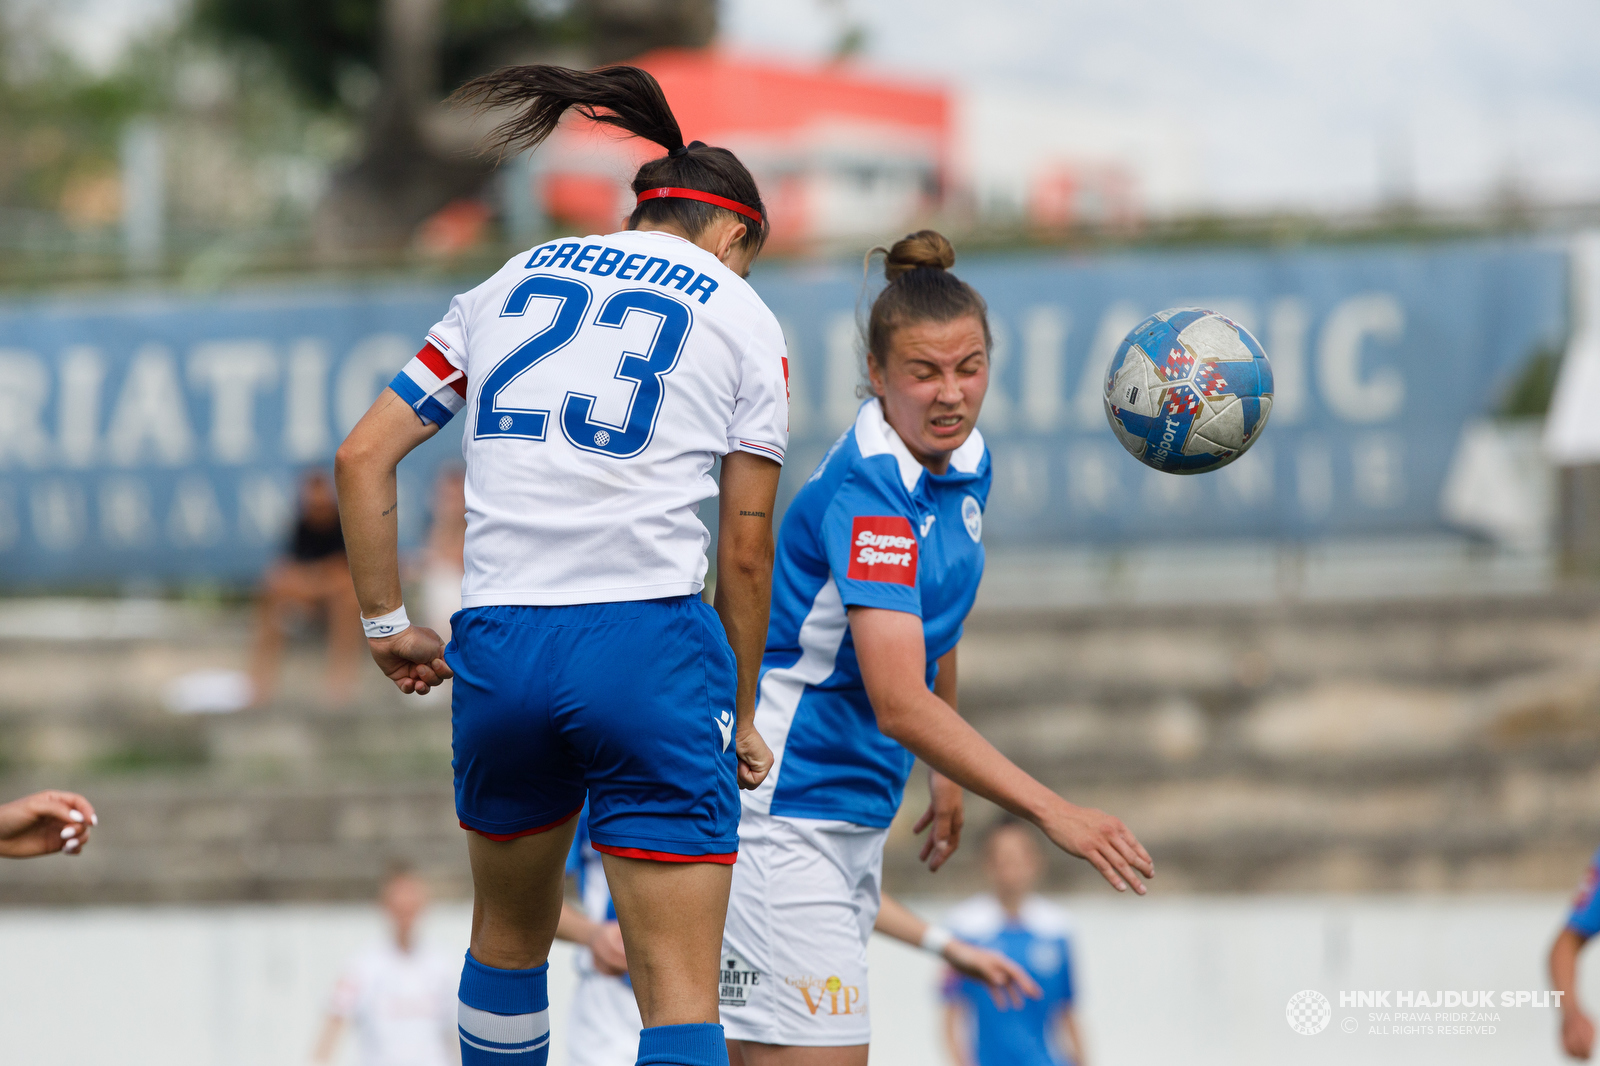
1585,917
871,528
1036,939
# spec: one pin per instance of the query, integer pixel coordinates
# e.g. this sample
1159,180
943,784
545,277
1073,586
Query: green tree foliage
318,42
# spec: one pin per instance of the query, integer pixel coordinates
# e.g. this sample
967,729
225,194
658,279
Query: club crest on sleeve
883,548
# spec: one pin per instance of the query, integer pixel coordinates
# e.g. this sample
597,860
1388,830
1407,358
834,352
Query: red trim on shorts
664,856
565,818
440,367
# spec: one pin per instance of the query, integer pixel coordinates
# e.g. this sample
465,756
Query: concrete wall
1193,981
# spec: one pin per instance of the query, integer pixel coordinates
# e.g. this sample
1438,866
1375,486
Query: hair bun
925,248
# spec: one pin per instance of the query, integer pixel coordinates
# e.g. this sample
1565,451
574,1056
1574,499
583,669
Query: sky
1328,106
1230,104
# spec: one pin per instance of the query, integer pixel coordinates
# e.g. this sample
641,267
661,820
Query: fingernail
68,833
71,845
76,816
94,819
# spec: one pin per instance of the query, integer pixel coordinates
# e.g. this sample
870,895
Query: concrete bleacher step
1438,746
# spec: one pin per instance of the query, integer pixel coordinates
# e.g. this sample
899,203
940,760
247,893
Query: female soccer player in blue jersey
600,378
878,564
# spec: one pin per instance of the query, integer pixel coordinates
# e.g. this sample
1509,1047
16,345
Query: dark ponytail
920,289
631,100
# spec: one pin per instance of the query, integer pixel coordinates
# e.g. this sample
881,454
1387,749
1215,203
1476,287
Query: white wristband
936,939
386,625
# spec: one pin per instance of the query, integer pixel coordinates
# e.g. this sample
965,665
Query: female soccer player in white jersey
599,377
878,563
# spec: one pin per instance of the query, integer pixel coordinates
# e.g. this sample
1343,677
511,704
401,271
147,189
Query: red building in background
838,153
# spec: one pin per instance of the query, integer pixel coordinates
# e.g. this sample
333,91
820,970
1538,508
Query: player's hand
1577,1034
755,758
45,822
1102,840
412,658
1008,983
946,814
610,957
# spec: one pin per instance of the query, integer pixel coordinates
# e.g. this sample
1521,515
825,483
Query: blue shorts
630,703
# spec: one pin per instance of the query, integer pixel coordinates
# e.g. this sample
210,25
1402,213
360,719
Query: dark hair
920,289
629,99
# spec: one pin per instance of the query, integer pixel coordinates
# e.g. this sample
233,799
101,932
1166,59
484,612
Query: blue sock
504,1015
683,1045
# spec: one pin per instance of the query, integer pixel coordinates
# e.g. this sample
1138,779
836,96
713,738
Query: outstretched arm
1577,1030
892,655
364,470
1008,983
946,802
749,487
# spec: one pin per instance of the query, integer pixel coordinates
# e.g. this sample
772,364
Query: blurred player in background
601,377
1012,920
1583,922
45,823
878,564
313,577
399,998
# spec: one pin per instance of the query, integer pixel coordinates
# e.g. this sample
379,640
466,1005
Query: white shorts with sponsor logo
805,896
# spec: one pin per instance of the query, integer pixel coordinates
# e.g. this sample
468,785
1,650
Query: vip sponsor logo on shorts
828,995
883,548
739,980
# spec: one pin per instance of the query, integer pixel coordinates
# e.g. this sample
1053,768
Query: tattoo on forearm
754,514
391,509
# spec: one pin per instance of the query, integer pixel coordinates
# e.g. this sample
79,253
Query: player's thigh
671,915
749,1053
645,696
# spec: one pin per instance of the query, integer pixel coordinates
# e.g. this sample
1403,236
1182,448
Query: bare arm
892,655
328,1039
364,470
1068,1036
604,939
749,487
955,1035
1008,983
946,802
1577,1030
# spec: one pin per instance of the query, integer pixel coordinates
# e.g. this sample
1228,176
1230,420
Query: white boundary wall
1190,980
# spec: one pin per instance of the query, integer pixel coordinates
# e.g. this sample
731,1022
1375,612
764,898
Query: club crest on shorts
883,548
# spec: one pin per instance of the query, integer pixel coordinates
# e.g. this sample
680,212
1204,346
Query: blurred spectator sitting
441,559
1034,934
400,999
45,822
315,575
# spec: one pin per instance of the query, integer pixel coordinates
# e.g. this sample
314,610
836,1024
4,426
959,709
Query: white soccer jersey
601,378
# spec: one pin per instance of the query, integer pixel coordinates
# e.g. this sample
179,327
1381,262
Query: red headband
667,192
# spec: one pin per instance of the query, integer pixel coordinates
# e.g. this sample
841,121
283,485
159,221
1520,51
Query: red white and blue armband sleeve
434,387
871,543
760,423
1585,917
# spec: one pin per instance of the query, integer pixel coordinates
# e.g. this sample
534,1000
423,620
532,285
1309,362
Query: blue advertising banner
160,437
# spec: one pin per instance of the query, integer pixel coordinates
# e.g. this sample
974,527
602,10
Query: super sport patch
883,548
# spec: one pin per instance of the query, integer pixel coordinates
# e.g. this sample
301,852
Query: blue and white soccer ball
1188,391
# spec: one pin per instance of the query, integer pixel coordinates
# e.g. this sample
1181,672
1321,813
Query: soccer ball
1188,391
